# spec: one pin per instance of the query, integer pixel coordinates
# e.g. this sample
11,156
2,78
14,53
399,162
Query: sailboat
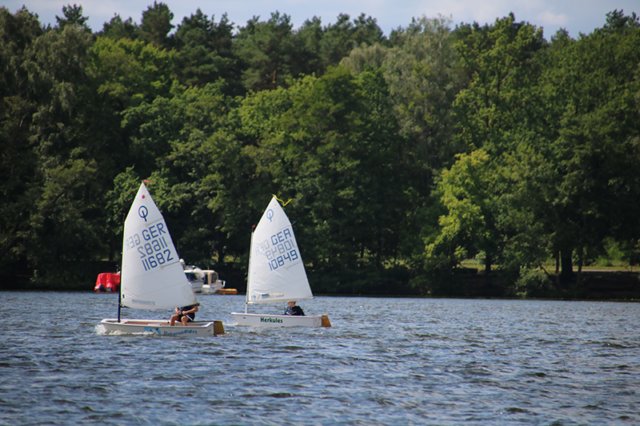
152,277
276,273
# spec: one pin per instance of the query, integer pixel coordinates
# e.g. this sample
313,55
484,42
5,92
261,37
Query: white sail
276,271
152,276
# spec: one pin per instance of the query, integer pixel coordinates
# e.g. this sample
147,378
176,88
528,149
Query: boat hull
269,320
162,328
107,282
208,289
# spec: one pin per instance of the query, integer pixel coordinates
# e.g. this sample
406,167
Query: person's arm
193,310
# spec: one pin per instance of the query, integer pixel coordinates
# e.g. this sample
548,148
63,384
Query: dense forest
402,156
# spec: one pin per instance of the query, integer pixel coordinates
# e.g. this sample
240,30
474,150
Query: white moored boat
194,275
212,283
152,277
276,273
206,281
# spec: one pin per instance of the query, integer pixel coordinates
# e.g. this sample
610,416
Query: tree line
403,155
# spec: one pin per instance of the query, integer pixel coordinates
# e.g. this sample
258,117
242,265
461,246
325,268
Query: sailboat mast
119,299
246,297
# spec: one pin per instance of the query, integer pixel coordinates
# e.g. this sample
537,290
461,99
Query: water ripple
384,362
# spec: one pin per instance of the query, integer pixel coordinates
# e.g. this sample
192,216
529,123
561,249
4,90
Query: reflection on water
384,361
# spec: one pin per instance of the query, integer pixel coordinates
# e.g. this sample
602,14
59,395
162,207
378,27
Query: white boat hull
161,327
211,288
196,286
270,320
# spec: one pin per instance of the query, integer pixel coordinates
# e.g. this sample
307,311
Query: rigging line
284,203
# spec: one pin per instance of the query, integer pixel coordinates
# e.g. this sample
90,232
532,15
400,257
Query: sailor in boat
185,314
293,309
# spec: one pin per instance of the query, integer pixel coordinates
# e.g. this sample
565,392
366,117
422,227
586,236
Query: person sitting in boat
185,314
293,309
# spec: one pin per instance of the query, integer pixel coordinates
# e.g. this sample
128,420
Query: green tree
201,114
156,25
232,193
266,50
495,112
122,73
366,58
525,179
127,75
307,41
381,179
18,163
343,36
204,51
118,200
423,76
72,15
331,145
66,205
501,59
129,72
175,147
469,226
117,28
595,84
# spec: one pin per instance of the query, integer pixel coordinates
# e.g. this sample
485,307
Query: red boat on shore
107,282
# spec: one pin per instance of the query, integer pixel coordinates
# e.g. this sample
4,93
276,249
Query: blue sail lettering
153,231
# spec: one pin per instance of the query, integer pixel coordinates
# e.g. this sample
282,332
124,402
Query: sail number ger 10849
279,249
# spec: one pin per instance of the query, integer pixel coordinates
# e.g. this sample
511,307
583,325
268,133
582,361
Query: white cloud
548,19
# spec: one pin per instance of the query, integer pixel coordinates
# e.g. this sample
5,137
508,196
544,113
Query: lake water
384,362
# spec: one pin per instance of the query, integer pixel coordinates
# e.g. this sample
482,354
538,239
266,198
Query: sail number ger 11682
152,246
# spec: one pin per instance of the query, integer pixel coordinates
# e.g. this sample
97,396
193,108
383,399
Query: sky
575,16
